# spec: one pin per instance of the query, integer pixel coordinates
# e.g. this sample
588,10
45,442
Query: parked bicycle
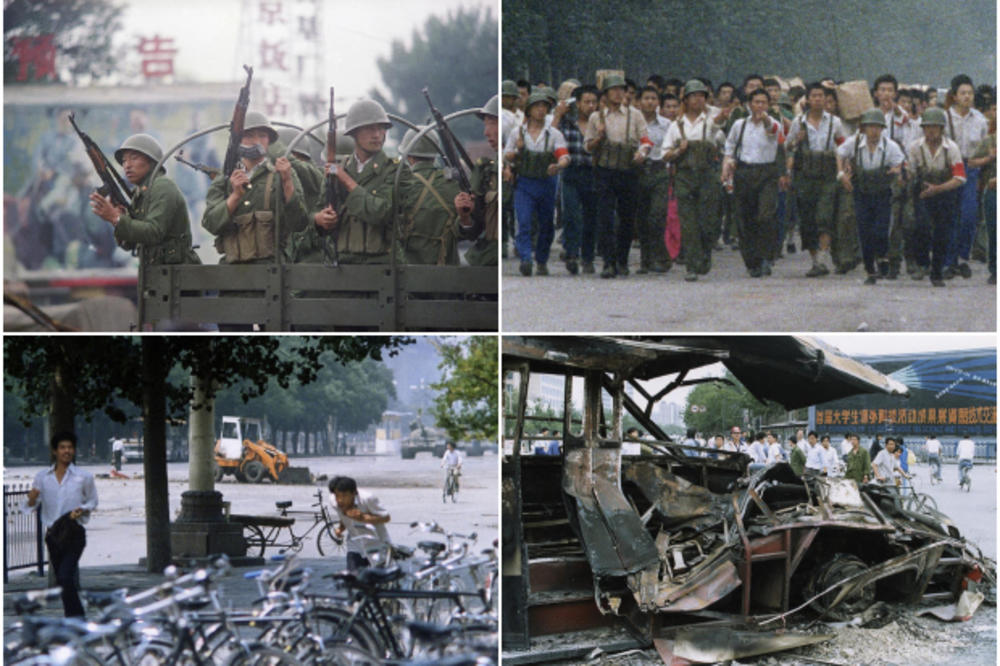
261,532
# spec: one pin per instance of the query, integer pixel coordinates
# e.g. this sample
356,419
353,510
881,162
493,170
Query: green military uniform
816,187
248,234
485,179
364,231
859,465
429,231
845,248
797,460
310,175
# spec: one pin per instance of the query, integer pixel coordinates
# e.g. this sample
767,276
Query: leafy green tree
69,375
715,407
454,57
466,403
83,32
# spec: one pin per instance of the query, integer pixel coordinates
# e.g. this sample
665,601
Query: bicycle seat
402,552
282,505
101,599
432,547
428,632
378,575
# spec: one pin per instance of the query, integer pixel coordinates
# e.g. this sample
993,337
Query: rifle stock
236,126
114,185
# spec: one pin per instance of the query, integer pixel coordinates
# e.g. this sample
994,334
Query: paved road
727,299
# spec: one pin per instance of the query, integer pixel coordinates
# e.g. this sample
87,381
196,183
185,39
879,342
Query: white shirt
760,140
554,138
933,447
693,131
817,135
868,161
451,458
508,121
966,449
362,536
758,451
845,446
830,459
921,157
774,453
657,130
77,491
815,459
803,446
968,130
886,464
361,165
901,128
117,444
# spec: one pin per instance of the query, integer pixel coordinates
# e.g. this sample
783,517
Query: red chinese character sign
157,56
38,53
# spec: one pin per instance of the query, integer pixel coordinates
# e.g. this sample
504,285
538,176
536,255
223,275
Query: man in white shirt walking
965,452
68,496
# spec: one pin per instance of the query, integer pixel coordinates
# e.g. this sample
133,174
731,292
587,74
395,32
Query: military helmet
509,89
365,112
872,117
345,143
694,86
933,116
305,145
491,108
613,81
257,120
141,143
536,97
549,92
427,146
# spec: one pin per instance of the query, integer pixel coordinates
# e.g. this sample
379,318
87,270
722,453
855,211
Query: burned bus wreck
646,545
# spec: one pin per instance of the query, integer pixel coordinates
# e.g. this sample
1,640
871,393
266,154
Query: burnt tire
254,471
832,571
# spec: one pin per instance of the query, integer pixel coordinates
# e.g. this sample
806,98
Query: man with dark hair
361,517
523,90
68,496
670,106
654,187
673,86
811,151
579,199
724,94
657,82
630,92
859,463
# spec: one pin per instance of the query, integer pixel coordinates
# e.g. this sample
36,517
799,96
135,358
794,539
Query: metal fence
22,532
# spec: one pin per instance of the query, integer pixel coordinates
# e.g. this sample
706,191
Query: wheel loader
242,452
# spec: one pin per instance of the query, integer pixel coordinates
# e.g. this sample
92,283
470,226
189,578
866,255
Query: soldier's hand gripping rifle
451,146
211,172
333,190
236,126
114,185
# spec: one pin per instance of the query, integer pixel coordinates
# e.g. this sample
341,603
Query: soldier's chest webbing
932,175
617,155
874,180
700,153
448,232
534,164
816,163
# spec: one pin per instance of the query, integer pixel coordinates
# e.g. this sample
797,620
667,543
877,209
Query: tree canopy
719,39
466,403
715,407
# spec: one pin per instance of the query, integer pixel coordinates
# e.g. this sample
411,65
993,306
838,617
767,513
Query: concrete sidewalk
236,590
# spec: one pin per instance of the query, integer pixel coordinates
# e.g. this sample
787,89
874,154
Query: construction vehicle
242,452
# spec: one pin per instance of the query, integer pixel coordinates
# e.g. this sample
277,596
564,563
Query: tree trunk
201,437
154,414
62,409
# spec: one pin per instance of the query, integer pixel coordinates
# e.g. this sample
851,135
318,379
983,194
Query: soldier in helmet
240,210
868,163
429,230
937,172
508,100
159,225
479,222
361,228
692,145
310,246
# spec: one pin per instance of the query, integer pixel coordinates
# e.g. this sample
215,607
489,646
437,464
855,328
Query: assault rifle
333,194
211,172
451,146
114,185
236,126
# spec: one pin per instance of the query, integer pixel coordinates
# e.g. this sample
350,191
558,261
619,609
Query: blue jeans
534,197
935,227
872,213
579,212
964,231
963,464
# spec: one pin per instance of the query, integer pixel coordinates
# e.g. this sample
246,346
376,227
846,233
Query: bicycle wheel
263,655
254,536
338,626
348,655
327,543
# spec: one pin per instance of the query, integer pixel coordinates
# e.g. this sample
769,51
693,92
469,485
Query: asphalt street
728,299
